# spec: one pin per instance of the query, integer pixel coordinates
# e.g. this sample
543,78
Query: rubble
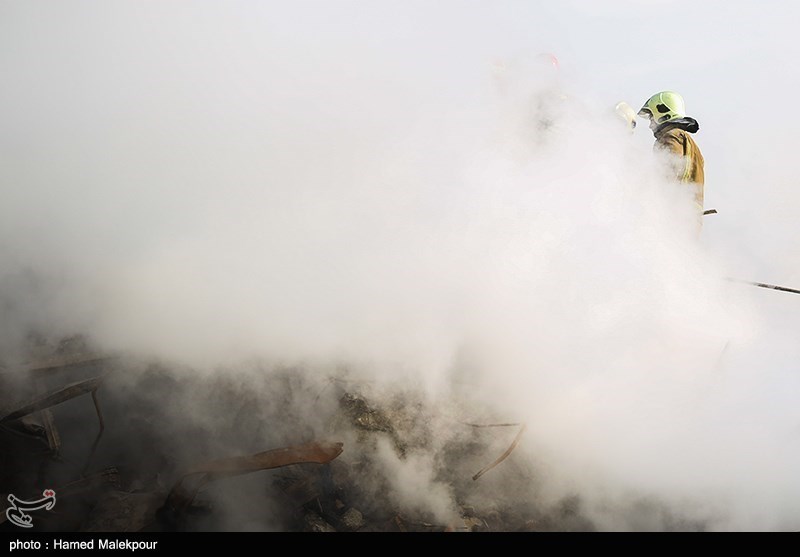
315,523
119,511
148,466
352,520
61,395
503,456
181,497
475,524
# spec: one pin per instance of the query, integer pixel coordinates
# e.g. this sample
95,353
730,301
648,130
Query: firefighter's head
663,107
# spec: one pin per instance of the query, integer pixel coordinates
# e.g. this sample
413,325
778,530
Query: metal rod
765,285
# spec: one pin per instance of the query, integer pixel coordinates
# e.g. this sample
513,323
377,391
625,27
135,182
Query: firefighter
673,131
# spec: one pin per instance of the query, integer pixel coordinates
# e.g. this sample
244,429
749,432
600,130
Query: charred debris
130,446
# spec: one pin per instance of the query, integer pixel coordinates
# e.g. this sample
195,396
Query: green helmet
663,106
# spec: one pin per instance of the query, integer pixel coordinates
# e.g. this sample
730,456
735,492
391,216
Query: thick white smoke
210,186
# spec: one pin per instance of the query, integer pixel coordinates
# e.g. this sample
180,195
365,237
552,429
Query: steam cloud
213,186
